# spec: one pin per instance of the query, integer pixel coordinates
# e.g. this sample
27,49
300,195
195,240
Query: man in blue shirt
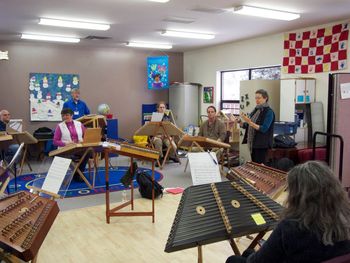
78,106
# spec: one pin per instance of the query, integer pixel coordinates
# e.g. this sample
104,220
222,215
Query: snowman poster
158,72
48,92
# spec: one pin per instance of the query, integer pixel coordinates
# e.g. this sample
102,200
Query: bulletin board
48,92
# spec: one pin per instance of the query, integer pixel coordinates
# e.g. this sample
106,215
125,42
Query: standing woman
315,225
259,127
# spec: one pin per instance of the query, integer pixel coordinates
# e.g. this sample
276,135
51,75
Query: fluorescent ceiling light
4,55
50,38
264,12
73,24
185,34
159,1
149,45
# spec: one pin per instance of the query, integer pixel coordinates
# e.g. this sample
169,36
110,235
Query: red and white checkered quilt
317,50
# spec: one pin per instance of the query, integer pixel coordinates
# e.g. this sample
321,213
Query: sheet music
204,170
157,117
56,174
16,124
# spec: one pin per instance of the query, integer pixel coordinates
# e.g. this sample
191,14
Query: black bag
144,181
284,141
127,177
43,133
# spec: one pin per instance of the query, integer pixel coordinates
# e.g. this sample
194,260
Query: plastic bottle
124,196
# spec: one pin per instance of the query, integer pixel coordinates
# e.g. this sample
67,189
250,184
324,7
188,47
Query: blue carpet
80,188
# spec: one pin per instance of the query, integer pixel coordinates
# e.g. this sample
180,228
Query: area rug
80,188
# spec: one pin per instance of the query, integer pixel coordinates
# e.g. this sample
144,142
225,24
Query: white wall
200,66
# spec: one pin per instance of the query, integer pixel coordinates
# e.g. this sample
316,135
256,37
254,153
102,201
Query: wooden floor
82,235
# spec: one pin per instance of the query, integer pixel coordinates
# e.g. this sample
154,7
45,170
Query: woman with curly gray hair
315,225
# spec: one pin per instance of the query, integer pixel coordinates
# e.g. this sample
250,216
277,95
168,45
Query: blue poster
158,72
48,92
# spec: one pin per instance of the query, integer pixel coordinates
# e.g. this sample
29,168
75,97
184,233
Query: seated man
12,149
213,129
69,132
159,141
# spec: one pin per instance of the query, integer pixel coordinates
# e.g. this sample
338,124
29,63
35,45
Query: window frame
249,78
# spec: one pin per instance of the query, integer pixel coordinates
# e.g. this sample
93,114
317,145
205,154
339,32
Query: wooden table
132,152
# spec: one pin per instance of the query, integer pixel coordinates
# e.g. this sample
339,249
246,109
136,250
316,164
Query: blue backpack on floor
144,181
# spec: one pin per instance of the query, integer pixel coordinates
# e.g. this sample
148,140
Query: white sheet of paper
56,174
16,124
345,91
203,168
157,116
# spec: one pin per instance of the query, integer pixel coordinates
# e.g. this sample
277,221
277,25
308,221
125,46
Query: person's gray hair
263,93
75,90
317,200
161,102
2,112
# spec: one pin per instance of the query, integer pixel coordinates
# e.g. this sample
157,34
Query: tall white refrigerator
184,103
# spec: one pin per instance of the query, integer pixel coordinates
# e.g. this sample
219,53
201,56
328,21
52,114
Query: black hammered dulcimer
221,211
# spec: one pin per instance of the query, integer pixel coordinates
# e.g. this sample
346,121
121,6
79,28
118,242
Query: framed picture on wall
208,95
158,72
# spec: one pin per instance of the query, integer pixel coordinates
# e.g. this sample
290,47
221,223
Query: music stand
164,128
201,143
84,148
57,180
26,138
11,167
93,121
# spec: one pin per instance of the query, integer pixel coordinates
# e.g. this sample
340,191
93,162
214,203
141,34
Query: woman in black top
259,127
315,225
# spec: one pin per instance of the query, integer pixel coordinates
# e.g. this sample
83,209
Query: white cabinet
295,91
304,89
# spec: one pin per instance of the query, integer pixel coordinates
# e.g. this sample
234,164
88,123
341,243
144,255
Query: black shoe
174,159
